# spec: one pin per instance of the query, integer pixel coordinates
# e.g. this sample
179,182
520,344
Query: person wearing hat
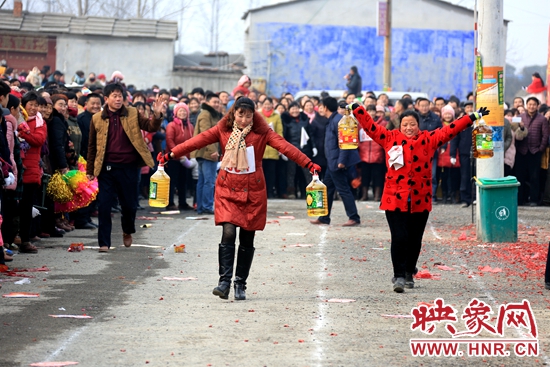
177,132
102,79
240,196
58,77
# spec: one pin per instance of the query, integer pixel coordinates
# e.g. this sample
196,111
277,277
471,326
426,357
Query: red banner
382,19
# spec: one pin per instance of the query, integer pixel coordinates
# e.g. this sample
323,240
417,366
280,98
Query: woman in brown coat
240,196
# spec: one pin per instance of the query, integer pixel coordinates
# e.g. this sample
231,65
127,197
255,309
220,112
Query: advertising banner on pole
490,94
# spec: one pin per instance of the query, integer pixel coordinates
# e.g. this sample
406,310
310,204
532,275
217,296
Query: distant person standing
354,81
529,152
536,88
242,86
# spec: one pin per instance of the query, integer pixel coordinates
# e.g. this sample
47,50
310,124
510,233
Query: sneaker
465,205
399,285
409,281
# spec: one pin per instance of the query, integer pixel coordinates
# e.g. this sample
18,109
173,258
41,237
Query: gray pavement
140,318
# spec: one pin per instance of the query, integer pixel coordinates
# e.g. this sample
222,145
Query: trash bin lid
508,180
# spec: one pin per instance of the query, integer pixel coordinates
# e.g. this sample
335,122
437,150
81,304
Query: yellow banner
490,93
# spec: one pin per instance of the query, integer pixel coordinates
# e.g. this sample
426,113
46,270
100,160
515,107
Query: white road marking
77,333
322,306
65,344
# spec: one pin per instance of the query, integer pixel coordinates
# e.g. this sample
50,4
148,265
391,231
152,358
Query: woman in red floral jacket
240,198
407,197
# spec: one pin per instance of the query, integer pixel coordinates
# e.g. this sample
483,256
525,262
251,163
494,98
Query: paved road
140,318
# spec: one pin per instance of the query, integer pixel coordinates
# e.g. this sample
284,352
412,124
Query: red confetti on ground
123,350
161,298
237,320
462,236
333,334
251,311
425,274
275,342
488,269
300,340
444,267
530,259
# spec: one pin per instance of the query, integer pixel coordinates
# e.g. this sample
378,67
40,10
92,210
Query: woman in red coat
34,133
240,198
407,197
178,131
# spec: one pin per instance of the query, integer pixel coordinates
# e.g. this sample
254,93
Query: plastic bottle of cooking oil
482,136
316,198
348,132
159,188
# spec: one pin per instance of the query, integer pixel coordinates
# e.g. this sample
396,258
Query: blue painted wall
437,62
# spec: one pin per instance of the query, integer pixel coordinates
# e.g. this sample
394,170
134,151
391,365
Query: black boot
244,261
226,257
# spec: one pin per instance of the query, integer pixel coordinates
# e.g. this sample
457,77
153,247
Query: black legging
229,235
406,230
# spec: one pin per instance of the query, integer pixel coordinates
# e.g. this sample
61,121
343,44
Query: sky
527,31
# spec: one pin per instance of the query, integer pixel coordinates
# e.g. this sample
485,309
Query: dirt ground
141,318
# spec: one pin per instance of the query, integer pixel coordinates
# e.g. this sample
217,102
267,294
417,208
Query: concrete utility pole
387,49
492,50
491,35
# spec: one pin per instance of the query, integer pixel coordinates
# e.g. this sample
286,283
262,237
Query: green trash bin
498,198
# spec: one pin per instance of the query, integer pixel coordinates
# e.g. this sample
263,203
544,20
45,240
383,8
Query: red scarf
73,112
267,113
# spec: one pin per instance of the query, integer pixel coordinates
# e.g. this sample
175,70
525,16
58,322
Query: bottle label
484,142
347,136
314,199
153,190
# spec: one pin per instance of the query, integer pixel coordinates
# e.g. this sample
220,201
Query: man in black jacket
82,217
338,161
295,124
463,142
429,121
93,106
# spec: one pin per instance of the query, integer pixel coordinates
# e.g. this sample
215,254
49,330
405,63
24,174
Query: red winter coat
242,199
444,159
370,151
536,87
33,173
414,179
176,134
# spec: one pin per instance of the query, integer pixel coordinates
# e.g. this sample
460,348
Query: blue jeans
205,185
338,181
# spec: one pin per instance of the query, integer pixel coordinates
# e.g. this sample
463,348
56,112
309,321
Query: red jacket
414,179
242,199
33,173
370,151
176,134
536,87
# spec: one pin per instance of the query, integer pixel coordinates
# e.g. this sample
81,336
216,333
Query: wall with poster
293,57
